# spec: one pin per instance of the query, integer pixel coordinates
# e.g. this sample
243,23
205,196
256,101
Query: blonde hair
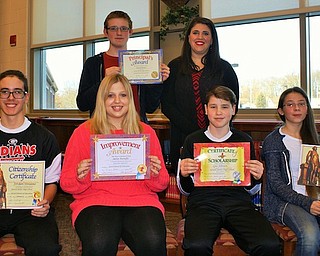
100,123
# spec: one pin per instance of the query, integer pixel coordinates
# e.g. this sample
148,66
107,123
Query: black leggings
141,228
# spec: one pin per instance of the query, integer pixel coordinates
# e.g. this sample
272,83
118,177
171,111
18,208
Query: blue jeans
306,228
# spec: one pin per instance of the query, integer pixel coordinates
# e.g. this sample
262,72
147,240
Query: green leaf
182,15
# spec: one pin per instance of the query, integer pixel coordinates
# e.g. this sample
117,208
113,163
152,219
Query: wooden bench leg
288,248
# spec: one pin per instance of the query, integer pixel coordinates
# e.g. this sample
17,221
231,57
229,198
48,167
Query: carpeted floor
68,237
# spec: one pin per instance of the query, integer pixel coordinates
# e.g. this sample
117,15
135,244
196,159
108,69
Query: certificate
309,165
141,67
120,157
222,164
21,183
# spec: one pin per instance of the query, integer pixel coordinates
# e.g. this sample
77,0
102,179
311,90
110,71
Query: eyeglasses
17,94
116,28
294,105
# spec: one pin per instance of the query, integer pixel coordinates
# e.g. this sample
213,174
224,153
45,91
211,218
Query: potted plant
182,14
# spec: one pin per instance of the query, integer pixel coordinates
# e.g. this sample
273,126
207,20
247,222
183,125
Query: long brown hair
308,130
100,123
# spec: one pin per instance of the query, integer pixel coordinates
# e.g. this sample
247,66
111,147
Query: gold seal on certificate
141,66
222,164
120,157
154,74
142,168
21,184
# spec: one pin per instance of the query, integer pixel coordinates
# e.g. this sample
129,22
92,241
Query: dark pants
141,228
251,230
38,236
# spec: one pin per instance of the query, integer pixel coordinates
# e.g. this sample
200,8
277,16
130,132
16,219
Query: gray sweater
278,191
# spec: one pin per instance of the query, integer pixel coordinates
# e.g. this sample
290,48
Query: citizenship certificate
21,183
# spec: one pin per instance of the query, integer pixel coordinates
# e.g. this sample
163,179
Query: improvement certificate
141,67
21,183
120,157
222,164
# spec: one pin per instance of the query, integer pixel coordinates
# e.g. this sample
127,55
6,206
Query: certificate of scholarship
222,164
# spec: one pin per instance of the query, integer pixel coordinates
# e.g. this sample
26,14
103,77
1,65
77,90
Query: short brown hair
18,74
117,14
222,92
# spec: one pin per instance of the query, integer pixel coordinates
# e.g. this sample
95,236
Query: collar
215,139
22,128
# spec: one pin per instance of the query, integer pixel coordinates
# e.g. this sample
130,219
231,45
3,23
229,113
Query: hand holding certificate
141,67
222,164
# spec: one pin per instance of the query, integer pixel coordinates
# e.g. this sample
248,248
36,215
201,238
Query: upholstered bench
288,238
8,246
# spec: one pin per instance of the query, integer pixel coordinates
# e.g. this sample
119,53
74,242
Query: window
55,20
315,61
265,56
240,7
57,83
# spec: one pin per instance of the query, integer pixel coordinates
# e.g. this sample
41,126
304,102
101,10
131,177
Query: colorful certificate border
23,182
120,157
230,157
141,66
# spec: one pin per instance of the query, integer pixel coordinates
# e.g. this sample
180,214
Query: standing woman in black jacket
192,75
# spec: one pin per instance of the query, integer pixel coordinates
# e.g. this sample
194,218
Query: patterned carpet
68,237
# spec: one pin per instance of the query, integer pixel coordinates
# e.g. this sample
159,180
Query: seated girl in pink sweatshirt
105,211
